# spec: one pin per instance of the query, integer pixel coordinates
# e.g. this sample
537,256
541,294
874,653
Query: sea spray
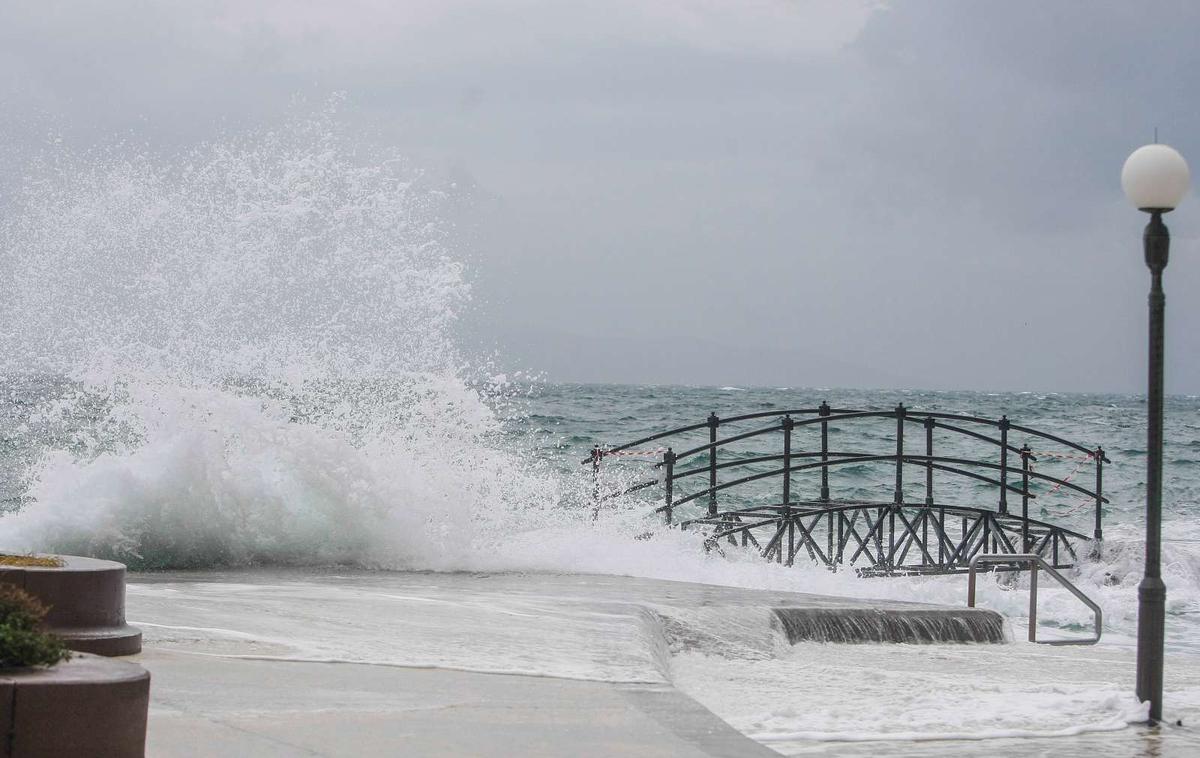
246,352
277,256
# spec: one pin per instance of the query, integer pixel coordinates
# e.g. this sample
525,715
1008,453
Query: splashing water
278,256
244,354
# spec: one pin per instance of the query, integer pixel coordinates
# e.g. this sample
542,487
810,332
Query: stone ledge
88,706
87,603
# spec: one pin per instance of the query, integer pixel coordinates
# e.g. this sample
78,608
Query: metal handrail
1034,561
909,458
861,459
909,416
843,414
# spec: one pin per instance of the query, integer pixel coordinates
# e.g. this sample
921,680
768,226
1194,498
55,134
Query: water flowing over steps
911,625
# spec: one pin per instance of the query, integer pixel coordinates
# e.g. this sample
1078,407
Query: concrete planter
87,706
87,603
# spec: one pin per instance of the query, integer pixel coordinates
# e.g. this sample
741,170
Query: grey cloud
926,192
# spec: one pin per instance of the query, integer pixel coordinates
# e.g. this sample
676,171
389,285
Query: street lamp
1155,178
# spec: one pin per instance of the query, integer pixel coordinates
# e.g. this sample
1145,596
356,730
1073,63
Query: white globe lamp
1155,178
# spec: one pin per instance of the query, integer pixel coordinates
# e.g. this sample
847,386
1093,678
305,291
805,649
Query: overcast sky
903,194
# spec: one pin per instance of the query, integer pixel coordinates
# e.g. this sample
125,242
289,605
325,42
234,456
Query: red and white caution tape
633,453
1063,456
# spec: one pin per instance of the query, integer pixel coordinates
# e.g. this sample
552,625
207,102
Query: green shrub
22,643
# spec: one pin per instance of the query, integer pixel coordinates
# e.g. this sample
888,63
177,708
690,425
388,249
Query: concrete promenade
384,663
311,663
230,707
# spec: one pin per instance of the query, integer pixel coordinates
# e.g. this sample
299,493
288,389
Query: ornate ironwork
913,531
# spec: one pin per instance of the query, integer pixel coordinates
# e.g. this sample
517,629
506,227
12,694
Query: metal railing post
713,423
824,411
841,537
1033,577
829,539
788,425
669,482
929,425
1004,424
596,454
898,497
791,525
1026,453
1097,532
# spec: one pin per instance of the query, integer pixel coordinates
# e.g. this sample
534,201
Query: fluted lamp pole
1155,178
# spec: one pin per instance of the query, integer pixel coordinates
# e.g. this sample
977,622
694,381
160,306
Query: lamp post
1155,178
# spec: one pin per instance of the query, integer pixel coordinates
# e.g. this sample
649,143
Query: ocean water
244,356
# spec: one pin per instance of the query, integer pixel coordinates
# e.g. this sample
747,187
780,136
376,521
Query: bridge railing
697,482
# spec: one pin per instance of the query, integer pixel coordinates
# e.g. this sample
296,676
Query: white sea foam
716,645
258,338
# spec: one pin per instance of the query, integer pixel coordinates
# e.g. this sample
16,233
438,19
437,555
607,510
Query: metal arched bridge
901,491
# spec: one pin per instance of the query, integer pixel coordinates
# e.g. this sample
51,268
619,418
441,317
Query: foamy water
244,355
717,645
